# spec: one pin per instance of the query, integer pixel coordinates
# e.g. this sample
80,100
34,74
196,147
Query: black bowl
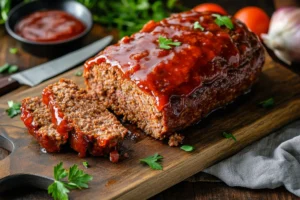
50,49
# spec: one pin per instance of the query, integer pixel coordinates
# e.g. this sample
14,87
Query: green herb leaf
60,172
129,16
13,50
143,5
223,21
77,179
164,43
171,4
5,8
267,103
229,135
198,26
187,148
58,191
9,68
12,69
85,164
78,73
4,67
153,161
13,109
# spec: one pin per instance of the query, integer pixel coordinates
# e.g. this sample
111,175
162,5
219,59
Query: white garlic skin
284,34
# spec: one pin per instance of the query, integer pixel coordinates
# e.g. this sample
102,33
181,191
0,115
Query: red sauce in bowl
49,26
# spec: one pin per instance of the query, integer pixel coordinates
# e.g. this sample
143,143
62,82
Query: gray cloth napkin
269,163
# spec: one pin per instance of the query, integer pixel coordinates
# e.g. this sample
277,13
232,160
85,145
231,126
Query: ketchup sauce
202,57
49,26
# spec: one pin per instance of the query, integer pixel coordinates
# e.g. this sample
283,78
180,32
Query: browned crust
185,111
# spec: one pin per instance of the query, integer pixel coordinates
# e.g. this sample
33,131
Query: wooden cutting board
131,180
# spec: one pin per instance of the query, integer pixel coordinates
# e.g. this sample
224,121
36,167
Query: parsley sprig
197,25
8,68
187,148
77,179
267,103
153,161
78,73
165,43
223,21
13,109
4,68
13,50
4,8
85,164
129,16
229,135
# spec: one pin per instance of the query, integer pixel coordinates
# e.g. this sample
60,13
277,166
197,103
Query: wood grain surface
131,180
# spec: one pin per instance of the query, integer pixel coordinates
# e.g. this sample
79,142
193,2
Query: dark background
231,6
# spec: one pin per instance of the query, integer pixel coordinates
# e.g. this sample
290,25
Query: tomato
210,7
255,18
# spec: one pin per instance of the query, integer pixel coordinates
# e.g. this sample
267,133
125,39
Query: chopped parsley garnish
229,135
77,179
4,68
165,43
187,148
223,21
267,103
198,26
153,161
85,164
13,50
8,68
12,69
14,109
78,73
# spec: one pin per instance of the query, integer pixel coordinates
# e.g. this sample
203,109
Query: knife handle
7,84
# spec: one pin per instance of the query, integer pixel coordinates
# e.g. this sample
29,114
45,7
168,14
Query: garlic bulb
284,34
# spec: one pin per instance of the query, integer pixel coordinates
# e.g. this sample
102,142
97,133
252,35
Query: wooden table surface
204,189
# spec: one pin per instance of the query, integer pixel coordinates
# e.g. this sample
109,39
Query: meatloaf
37,118
92,127
174,72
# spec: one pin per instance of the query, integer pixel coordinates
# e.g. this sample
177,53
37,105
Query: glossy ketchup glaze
48,143
27,118
202,57
49,26
79,143
58,118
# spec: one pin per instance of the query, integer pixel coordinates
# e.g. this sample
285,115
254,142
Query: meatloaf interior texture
92,127
165,90
37,118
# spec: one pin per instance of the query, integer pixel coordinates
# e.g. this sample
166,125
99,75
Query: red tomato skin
255,19
212,7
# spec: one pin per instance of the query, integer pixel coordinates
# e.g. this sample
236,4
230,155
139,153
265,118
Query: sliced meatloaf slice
170,74
37,118
93,127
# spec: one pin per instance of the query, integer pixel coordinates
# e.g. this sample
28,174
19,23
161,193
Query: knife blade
36,75
40,73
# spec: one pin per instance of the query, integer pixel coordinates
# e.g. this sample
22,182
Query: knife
40,73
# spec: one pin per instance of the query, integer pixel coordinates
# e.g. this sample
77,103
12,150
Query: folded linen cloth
269,163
